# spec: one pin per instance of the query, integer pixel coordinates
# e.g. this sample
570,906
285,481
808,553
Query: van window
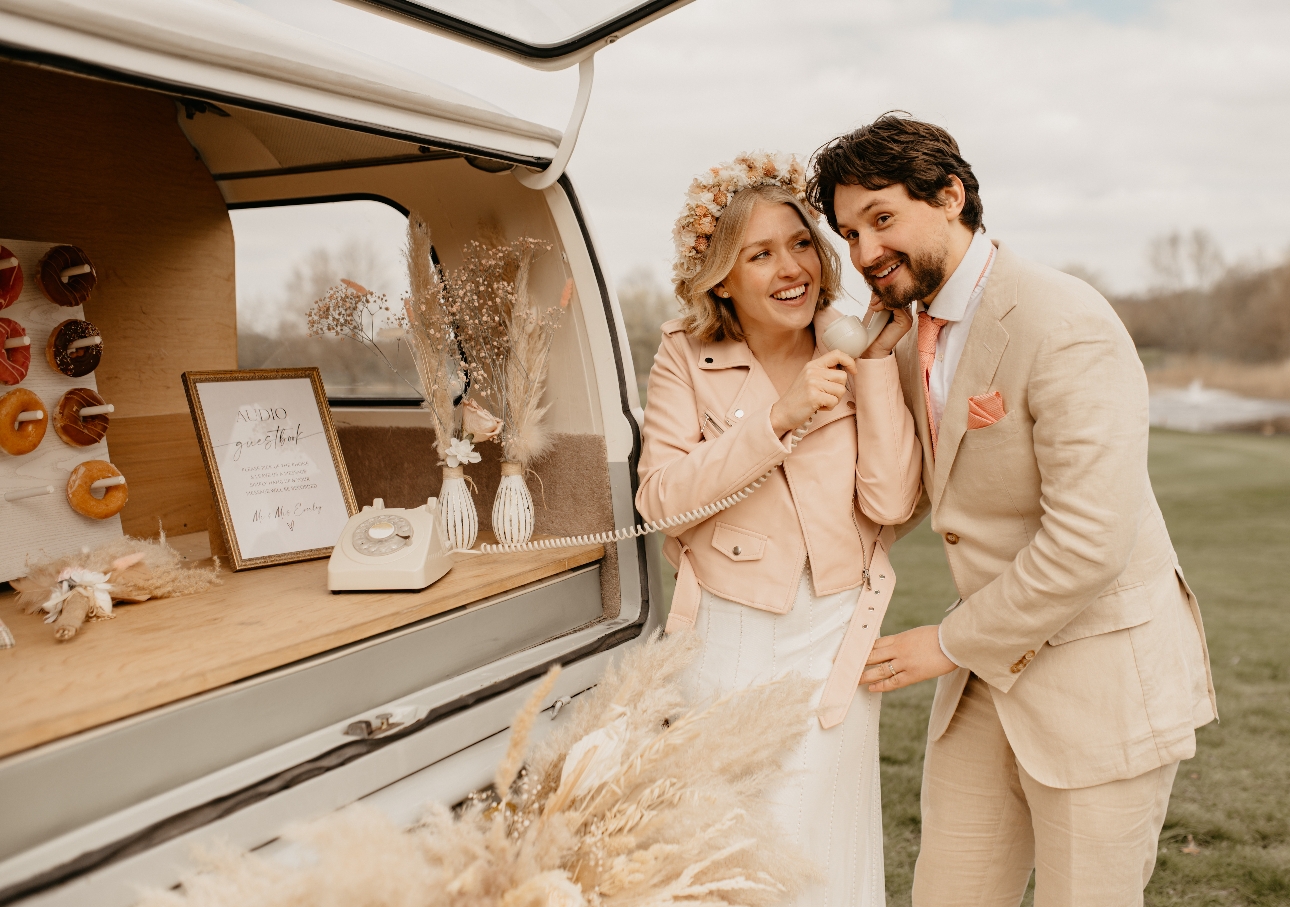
288,256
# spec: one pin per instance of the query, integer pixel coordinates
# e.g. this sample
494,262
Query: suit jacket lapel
985,345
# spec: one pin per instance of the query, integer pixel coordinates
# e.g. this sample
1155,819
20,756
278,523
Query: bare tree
646,303
1186,261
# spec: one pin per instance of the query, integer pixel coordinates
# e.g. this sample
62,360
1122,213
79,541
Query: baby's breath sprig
350,310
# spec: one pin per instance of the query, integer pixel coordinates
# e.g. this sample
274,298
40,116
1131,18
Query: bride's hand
901,322
819,385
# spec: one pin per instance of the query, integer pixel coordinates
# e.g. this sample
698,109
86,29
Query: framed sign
281,490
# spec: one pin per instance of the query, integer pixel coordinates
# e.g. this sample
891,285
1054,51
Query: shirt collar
951,302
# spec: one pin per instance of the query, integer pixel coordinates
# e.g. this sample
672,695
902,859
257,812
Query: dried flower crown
710,193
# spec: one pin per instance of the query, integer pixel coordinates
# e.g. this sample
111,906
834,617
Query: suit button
952,538
739,414
708,360
736,551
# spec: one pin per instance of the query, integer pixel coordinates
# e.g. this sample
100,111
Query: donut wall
58,490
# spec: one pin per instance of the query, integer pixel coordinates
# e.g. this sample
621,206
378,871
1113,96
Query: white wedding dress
829,803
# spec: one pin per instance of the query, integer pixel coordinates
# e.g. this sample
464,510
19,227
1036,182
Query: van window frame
345,402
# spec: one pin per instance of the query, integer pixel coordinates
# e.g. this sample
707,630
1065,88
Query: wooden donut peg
81,417
15,358
66,276
88,477
24,493
74,348
22,422
10,278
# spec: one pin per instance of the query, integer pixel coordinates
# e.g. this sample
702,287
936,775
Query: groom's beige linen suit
1084,665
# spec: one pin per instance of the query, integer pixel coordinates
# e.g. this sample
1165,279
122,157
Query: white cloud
1093,126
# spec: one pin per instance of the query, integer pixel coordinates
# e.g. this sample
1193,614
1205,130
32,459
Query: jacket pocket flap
738,544
1119,609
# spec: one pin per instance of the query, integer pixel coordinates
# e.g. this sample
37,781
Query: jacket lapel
985,345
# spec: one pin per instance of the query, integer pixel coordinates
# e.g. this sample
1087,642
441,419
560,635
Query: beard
926,275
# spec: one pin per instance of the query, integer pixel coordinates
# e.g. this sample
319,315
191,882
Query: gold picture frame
269,447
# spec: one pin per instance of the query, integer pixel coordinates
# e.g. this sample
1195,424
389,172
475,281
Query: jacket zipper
713,422
865,559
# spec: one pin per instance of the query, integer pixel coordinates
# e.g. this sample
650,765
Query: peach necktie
929,329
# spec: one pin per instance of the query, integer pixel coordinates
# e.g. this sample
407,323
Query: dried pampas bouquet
642,798
507,335
84,585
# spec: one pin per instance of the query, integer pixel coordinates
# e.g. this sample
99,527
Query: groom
1073,667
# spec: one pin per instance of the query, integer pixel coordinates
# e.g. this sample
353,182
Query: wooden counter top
158,652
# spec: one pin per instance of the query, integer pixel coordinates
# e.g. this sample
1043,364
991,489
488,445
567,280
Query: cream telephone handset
848,334
389,548
853,336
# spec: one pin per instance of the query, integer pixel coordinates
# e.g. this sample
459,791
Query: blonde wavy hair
707,316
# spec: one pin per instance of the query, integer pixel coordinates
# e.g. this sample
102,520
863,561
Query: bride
796,576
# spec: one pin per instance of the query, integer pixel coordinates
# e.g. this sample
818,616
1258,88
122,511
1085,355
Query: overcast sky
1093,125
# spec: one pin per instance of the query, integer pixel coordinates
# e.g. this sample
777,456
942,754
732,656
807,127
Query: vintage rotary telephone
849,334
389,548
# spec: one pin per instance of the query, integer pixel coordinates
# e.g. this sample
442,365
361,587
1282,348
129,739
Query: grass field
1226,499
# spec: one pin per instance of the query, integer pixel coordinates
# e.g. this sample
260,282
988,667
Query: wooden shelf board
155,653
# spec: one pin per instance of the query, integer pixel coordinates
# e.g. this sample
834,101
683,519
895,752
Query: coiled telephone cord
631,532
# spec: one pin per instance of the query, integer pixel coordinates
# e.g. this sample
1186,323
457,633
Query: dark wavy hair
895,148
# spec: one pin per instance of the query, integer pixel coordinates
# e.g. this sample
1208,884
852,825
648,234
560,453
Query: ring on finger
891,670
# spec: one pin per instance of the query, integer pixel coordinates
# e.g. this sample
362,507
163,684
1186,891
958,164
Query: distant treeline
1242,314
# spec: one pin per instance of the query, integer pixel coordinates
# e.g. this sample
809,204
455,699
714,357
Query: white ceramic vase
513,507
457,516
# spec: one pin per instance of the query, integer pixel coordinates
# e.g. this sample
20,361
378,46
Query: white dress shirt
957,303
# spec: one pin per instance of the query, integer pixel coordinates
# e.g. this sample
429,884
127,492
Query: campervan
185,145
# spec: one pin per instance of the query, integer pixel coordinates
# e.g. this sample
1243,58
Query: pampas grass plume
682,819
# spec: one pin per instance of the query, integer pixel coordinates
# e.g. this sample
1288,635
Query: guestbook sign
280,486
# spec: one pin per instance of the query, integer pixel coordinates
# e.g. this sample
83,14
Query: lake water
1204,409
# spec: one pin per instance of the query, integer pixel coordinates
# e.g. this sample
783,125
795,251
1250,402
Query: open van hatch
133,129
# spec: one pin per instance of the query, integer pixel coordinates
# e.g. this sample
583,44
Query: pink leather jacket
707,434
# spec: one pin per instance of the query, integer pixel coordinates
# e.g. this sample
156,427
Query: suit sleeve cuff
944,651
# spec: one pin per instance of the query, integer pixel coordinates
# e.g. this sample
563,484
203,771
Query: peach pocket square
984,410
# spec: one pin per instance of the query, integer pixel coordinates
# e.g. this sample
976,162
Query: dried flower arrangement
475,329
642,798
81,586
506,336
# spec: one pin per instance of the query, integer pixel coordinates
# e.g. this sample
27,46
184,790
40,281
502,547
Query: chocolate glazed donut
66,276
74,363
71,426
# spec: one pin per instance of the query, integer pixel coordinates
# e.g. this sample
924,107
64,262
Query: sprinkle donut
66,276
81,497
71,426
15,362
10,278
18,438
74,363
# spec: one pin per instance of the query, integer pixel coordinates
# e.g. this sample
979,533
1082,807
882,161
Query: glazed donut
15,362
71,426
16,437
66,276
82,498
75,363
10,278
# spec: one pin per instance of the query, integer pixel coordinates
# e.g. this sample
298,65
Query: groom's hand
897,661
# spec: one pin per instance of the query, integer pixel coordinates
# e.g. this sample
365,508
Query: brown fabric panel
570,485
